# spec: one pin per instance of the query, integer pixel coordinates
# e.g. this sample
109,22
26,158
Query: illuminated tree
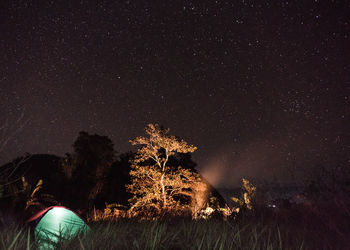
247,198
156,185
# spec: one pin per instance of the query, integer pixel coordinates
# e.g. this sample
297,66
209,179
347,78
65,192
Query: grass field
250,232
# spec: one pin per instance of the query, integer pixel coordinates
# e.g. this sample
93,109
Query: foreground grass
182,234
323,227
161,235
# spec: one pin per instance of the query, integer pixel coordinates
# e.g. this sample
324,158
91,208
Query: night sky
263,89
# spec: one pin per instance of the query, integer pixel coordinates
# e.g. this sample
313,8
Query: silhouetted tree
92,159
114,191
182,159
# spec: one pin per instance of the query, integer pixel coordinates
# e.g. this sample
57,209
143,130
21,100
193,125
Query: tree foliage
89,165
247,198
157,186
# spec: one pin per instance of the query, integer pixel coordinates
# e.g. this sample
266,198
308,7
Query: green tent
55,224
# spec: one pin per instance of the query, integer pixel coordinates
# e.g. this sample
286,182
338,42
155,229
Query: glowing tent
54,224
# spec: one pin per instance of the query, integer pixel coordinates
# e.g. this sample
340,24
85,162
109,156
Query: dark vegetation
92,180
90,177
297,228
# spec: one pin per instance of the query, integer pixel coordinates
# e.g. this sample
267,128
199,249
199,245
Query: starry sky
262,88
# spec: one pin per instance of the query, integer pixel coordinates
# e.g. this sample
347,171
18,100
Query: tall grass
181,234
325,226
16,237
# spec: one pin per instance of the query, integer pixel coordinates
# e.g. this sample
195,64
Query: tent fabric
54,224
40,214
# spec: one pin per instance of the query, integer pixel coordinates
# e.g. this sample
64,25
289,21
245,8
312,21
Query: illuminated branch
163,181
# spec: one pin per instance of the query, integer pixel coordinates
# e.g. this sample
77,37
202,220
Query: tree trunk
163,190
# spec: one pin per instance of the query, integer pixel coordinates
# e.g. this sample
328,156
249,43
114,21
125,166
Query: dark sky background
262,88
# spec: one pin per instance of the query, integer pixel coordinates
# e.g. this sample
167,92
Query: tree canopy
91,161
156,185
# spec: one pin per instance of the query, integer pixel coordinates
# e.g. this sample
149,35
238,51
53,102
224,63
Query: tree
90,163
247,198
117,179
157,186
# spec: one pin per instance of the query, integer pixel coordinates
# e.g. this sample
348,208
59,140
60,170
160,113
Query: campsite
175,124
113,203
